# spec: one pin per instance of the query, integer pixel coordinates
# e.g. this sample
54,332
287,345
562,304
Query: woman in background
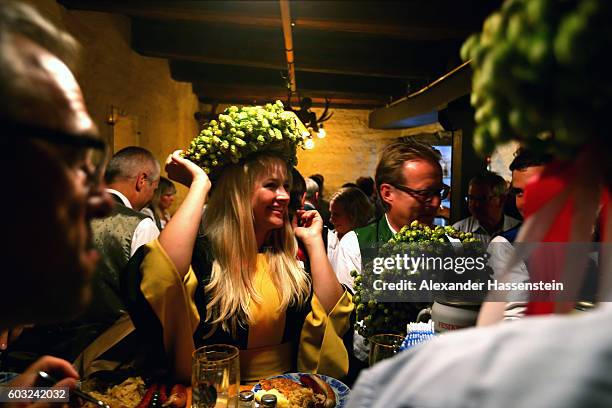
162,201
350,208
158,208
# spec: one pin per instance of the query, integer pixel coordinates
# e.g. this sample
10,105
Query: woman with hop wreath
542,77
238,281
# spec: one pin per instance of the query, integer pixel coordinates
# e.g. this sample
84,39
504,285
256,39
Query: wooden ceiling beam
240,75
433,97
315,51
258,95
254,17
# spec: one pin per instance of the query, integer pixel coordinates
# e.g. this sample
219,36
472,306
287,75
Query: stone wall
350,150
151,109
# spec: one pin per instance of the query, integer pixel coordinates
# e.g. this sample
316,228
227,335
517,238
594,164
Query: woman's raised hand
185,171
178,237
310,226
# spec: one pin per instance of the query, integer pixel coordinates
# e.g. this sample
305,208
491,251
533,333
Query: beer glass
384,346
215,377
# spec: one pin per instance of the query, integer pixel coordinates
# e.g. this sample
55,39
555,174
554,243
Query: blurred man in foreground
53,163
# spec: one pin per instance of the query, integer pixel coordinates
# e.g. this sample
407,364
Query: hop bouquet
542,76
241,131
391,317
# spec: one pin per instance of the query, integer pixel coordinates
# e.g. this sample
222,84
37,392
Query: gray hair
311,188
494,181
22,19
130,161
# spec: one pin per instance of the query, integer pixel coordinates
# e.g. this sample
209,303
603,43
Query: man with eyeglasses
52,162
409,183
486,198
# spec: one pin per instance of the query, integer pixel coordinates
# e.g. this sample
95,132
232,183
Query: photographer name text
468,285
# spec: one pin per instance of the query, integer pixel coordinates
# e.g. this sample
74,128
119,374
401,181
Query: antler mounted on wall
309,118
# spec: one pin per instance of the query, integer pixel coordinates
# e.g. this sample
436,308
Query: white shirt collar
389,225
476,225
123,198
508,223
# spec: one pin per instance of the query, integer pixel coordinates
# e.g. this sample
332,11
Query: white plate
340,389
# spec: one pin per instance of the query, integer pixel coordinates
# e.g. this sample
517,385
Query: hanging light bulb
111,119
309,144
322,133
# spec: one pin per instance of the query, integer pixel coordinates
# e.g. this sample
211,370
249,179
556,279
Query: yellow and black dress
170,309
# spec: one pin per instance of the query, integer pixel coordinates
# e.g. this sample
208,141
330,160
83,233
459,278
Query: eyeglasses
517,192
425,194
81,151
479,199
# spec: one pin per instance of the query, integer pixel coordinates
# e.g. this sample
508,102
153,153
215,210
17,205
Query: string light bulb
111,118
322,133
309,144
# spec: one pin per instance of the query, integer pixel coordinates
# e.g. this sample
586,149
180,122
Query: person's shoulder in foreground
561,361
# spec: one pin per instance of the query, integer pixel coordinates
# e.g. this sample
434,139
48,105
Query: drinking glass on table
384,346
215,378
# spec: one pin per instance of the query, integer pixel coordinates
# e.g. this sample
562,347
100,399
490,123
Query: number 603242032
32,394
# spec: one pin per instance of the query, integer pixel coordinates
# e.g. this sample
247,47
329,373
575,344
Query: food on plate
148,397
125,395
133,393
320,387
163,395
311,392
177,398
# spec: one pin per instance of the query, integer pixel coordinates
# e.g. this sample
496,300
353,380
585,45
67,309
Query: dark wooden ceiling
357,53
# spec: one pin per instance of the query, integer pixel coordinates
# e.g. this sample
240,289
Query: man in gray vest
132,176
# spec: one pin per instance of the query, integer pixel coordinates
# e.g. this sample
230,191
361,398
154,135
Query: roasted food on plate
133,393
311,392
125,395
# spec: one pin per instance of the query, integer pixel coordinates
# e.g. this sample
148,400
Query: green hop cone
526,61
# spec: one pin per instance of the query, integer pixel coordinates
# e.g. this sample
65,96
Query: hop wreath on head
542,76
243,131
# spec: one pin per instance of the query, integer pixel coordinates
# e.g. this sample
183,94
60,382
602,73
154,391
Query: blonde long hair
228,223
